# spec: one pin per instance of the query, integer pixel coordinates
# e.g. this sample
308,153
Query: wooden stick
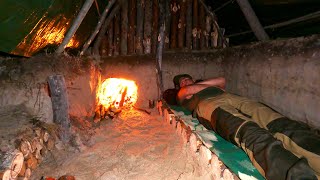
214,22
147,27
174,23
16,165
132,26
139,33
116,38
75,25
124,28
155,27
98,26
167,26
104,29
208,31
60,106
182,24
195,40
110,38
202,30
253,20
162,5
189,25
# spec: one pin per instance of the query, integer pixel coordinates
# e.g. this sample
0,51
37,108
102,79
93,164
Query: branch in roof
97,29
124,28
253,20
104,29
83,12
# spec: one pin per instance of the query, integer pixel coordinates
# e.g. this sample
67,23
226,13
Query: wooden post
103,50
182,24
139,33
132,26
189,25
97,29
124,28
202,30
110,37
167,25
75,25
155,27
116,37
59,98
162,6
104,29
147,27
195,40
253,20
174,23
208,30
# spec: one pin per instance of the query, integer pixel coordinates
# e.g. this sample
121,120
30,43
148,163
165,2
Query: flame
117,92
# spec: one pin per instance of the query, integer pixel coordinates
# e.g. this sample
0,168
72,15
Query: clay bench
227,160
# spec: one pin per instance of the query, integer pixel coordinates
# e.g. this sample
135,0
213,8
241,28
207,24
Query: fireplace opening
113,95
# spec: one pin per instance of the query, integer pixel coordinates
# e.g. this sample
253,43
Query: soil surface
134,145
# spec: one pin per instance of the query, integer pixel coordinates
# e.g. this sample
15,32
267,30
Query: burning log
174,23
195,40
202,30
189,25
139,33
124,28
132,26
116,38
147,27
182,24
155,27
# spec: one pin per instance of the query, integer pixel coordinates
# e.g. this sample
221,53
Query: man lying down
278,147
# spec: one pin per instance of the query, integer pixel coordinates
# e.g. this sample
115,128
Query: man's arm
188,91
218,82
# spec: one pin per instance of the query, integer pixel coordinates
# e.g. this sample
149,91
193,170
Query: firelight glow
117,92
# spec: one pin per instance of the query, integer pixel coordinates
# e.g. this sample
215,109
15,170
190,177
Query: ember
113,95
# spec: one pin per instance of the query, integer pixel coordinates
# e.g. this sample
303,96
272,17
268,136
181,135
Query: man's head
182,80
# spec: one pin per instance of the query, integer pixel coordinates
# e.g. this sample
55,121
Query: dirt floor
134,145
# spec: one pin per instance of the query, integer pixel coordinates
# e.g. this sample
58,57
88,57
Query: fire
117,93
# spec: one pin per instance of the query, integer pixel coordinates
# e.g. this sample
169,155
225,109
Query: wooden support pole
124,28
167,25
189,25
202,31
116,38
59,98
104,29
147,27
75,25
97,29
162,6
182,24
139,33
155,26
132,26
174,23
103,50
208,30
253,20
195,40
110,37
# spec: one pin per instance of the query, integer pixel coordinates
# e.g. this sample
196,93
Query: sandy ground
133,146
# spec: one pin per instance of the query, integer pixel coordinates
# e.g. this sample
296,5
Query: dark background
269,12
